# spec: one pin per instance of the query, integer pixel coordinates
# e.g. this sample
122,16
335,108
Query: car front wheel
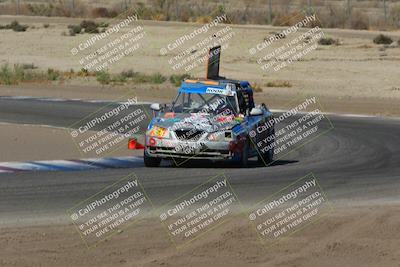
267,157
151,161
244,162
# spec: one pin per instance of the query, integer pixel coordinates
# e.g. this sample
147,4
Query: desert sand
349,236
356,76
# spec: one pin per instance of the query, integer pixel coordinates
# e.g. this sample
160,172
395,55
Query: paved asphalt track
356,162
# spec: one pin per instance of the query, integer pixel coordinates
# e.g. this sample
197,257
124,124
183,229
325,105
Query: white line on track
71,165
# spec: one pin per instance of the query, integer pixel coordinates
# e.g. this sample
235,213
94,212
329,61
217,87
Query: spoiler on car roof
214,55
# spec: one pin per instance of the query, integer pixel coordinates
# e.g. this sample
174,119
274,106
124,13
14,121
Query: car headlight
220,136
159,132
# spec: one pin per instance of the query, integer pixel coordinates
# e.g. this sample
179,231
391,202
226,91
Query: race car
209,119
213,118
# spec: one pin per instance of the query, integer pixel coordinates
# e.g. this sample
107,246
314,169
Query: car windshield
204,103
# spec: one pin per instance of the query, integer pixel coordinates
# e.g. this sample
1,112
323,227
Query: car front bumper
169,148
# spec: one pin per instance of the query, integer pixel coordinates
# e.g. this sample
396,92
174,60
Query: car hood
205,122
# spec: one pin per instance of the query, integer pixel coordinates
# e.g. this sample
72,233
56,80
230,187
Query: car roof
203,86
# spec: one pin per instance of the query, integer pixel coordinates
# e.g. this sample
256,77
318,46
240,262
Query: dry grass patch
278,84
383,39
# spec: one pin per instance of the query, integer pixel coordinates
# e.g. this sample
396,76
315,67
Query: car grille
189,134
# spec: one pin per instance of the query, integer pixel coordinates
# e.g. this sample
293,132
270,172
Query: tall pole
385,11
270,11
309,7
72,7
177,11
349,11
17,7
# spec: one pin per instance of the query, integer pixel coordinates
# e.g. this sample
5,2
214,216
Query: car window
205,103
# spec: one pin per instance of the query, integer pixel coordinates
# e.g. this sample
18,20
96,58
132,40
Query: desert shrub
41,9
91,29
252,16
87,26
18,73
46,25
103,24
328,41
218,11
65,8
257,88
90,26
383,39
26,73
129,74
113,13
5,27
74,29
15,26
276,35
279,84
359,21
119,79
157,78
334,16
398,42
141,10
185,15
287,19
69,74
6,75
100,12
159,17
177,79
83,73
395,15
35,76
53,75
103,77
141,78
29,66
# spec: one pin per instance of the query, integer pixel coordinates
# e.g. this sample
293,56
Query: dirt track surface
357,163
356,236
358,172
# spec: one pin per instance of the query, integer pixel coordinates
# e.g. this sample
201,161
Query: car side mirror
256,112
155,107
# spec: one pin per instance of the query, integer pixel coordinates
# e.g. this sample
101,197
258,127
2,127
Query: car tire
179,162
244,160
151,161
267,157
